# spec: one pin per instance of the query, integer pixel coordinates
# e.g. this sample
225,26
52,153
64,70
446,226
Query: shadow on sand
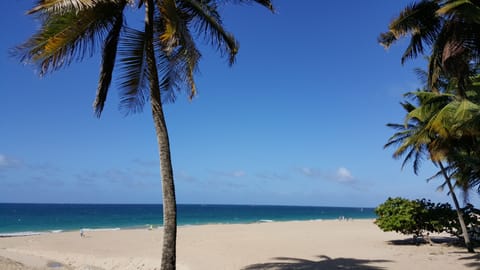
325,263
473,261
449,241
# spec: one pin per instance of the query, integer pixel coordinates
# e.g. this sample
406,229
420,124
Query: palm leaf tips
108,62
386,39
61,6
64,37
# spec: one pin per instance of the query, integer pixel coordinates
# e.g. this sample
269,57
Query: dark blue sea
25,219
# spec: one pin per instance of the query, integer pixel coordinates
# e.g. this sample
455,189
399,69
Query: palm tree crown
73,29
449,28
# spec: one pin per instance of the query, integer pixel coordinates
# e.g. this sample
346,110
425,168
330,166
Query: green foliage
417,217
438,217
471,216
400,215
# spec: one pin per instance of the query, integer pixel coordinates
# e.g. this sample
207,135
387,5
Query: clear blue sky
298,120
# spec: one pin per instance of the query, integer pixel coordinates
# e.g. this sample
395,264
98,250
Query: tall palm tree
417,142
153,63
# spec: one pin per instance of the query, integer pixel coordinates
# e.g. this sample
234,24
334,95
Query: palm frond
434,71
412,138
421,74
62,6
441,187
266,3
397,139
386,39
171,20
466,168
417,161
440,120
397,127
419,114
430,99
68,36
454,119
418,20
108,62
466,119
407,106
407,158
133,77
466,9
184,62
207,22
414,48
452,6
177,72
454,42
466,111
178,63
454,51
415,18
406,146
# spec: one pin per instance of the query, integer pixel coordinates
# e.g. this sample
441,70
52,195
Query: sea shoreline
325,244
41,218
146,227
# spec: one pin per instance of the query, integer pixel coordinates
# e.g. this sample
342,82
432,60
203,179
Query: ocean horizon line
196,204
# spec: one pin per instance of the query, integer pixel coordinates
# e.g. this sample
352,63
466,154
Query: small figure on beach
82,234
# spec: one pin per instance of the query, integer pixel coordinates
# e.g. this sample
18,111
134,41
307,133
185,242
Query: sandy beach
305,245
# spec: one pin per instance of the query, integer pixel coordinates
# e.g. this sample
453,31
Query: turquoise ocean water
25,219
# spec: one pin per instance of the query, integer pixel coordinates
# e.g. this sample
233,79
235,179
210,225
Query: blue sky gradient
298,120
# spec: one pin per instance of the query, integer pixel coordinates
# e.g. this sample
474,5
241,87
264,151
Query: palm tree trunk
466,237
168,187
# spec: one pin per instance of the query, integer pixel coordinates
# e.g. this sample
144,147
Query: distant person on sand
82,234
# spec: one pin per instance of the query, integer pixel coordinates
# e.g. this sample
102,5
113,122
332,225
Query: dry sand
306,245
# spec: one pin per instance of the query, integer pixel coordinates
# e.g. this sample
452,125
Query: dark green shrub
401,215
418,217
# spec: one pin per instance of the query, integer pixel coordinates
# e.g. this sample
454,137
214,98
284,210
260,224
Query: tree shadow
474,261
450,241
471,260
325,263
407,242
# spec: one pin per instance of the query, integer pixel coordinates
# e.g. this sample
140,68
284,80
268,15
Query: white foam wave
265,220
100,229
16,234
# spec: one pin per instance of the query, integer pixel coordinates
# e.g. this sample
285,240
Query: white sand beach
305,245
